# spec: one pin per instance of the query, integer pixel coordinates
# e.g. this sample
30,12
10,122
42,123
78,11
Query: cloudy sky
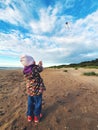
38,28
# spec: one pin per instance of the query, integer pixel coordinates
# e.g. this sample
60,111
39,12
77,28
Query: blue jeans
34,105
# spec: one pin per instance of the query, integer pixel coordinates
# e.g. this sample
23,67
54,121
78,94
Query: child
34,85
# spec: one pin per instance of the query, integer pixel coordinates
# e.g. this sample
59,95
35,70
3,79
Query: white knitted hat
26,60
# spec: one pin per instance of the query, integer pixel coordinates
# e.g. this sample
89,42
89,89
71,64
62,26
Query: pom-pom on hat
26,60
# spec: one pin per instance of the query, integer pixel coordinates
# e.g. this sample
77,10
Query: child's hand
41,90
34,63
40,63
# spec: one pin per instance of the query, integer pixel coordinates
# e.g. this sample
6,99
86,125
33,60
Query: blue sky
37,28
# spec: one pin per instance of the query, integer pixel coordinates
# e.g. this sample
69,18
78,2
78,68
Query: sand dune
71,100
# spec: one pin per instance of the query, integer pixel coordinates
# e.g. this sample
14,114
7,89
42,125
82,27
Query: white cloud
11,16
52,49
69,3
16,13
59,45
6,2
47,21
91,55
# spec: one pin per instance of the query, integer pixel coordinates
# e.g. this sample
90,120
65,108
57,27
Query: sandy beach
70,101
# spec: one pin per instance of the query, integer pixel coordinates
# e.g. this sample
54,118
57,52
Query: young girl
35,87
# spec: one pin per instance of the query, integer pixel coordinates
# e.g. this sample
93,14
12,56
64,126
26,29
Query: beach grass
92,73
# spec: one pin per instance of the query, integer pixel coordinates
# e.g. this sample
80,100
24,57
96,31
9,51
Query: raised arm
40,67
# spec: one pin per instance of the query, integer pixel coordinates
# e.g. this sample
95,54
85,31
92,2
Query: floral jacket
34,82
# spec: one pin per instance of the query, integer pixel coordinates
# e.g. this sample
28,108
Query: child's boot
36,119
29,118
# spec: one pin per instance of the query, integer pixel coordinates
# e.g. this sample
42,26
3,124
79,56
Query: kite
67,25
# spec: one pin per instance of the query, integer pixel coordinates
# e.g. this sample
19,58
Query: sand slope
71,101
